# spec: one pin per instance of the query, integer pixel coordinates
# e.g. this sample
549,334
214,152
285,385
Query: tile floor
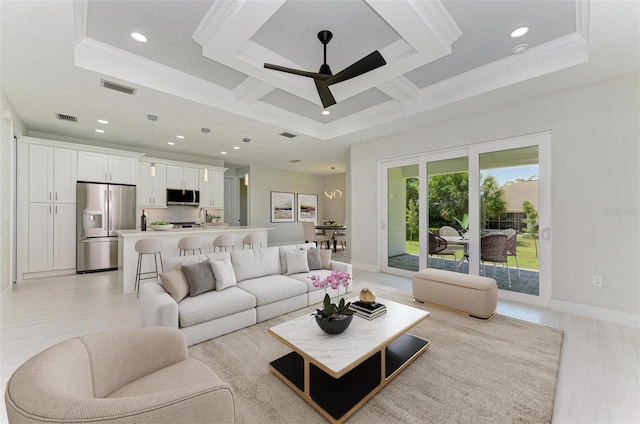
598,379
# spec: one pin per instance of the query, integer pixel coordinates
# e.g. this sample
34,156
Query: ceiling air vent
295,160
288,135
118,87
67,118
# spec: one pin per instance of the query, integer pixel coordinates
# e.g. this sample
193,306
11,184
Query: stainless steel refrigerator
102,210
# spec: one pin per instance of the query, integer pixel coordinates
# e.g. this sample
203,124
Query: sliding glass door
449,210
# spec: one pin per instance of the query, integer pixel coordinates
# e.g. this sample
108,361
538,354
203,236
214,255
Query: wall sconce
246,179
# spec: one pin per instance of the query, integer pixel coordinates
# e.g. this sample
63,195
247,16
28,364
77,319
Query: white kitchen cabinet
52,174
64,236
212,191
40,237
182,177
104,168
152,191
52,236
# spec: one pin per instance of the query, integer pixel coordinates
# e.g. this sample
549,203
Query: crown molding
438,19
219,16
400,89
80,10
582,18
250,90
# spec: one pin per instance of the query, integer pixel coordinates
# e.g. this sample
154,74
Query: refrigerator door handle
105,206
110,211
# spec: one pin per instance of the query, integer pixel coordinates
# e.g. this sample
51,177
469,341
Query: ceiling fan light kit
324,78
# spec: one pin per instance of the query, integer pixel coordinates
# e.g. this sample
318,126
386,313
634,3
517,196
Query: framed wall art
282,207
307,207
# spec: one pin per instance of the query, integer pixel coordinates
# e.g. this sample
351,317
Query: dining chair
512,243
438,246
447,231
341,238
310,234
493,248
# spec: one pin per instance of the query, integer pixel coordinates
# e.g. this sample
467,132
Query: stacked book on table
368,311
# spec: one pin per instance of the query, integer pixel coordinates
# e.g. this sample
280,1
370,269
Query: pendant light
334,194
206,131
152,169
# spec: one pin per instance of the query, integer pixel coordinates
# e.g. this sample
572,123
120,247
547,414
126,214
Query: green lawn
527,258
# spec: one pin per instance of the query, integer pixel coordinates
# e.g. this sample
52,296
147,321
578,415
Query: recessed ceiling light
138,37
181,137
236,148
325,112
519,32
103,121
99,131
223,153
171,143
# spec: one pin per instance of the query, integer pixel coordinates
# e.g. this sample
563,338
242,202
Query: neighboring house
514,195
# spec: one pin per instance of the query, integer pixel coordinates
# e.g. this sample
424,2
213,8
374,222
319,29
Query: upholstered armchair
139,375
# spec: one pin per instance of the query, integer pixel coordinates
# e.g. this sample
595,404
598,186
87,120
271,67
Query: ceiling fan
324,78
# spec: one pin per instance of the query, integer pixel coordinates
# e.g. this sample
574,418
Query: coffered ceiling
202,66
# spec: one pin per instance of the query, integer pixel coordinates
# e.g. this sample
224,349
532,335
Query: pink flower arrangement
331,311
335,280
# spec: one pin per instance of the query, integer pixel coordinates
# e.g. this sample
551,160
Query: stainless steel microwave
183,197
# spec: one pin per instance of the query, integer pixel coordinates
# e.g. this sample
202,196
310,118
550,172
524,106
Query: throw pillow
175,283
223,271
200,278
297,262
325,258
313,259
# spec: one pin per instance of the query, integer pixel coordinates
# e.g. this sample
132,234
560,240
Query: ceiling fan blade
364,65
313,75
325,94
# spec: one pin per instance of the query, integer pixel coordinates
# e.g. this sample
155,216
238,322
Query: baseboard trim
609,315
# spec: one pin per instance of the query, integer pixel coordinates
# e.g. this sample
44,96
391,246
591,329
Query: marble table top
338,352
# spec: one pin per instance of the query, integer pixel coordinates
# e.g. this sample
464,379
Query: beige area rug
499,371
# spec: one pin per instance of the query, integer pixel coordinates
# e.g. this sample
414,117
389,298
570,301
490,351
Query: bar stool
148,246
192,243
224,240
251,239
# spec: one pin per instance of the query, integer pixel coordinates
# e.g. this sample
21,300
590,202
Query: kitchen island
128,257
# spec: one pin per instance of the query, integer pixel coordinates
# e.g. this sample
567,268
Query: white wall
334,208
8,126
264,180
595,183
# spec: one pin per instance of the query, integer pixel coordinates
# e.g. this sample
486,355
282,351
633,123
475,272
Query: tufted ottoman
461,293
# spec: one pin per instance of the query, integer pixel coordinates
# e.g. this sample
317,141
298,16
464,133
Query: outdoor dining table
459,241
334,228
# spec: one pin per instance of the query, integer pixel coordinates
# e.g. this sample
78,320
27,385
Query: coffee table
338,373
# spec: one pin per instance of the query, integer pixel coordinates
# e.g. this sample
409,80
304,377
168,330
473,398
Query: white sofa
263,291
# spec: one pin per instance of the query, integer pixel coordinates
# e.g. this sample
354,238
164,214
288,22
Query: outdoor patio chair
447,231
493,248
512,242
438,246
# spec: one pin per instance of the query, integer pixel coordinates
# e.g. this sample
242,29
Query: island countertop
128,257
193,230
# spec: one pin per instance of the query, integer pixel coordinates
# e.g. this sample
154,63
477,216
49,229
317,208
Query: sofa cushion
297,262
175,283
254,263
200,277
325,258
223,272
170,263
214,304
306,278
313,258
272,288
290,248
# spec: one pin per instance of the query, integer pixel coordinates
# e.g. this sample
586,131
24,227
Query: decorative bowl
334,327
161,227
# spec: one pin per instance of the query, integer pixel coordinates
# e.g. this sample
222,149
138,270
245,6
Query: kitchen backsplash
175,214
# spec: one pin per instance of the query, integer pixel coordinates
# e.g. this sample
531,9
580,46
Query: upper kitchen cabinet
106,168
52,174
152,191
182,177
212,191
